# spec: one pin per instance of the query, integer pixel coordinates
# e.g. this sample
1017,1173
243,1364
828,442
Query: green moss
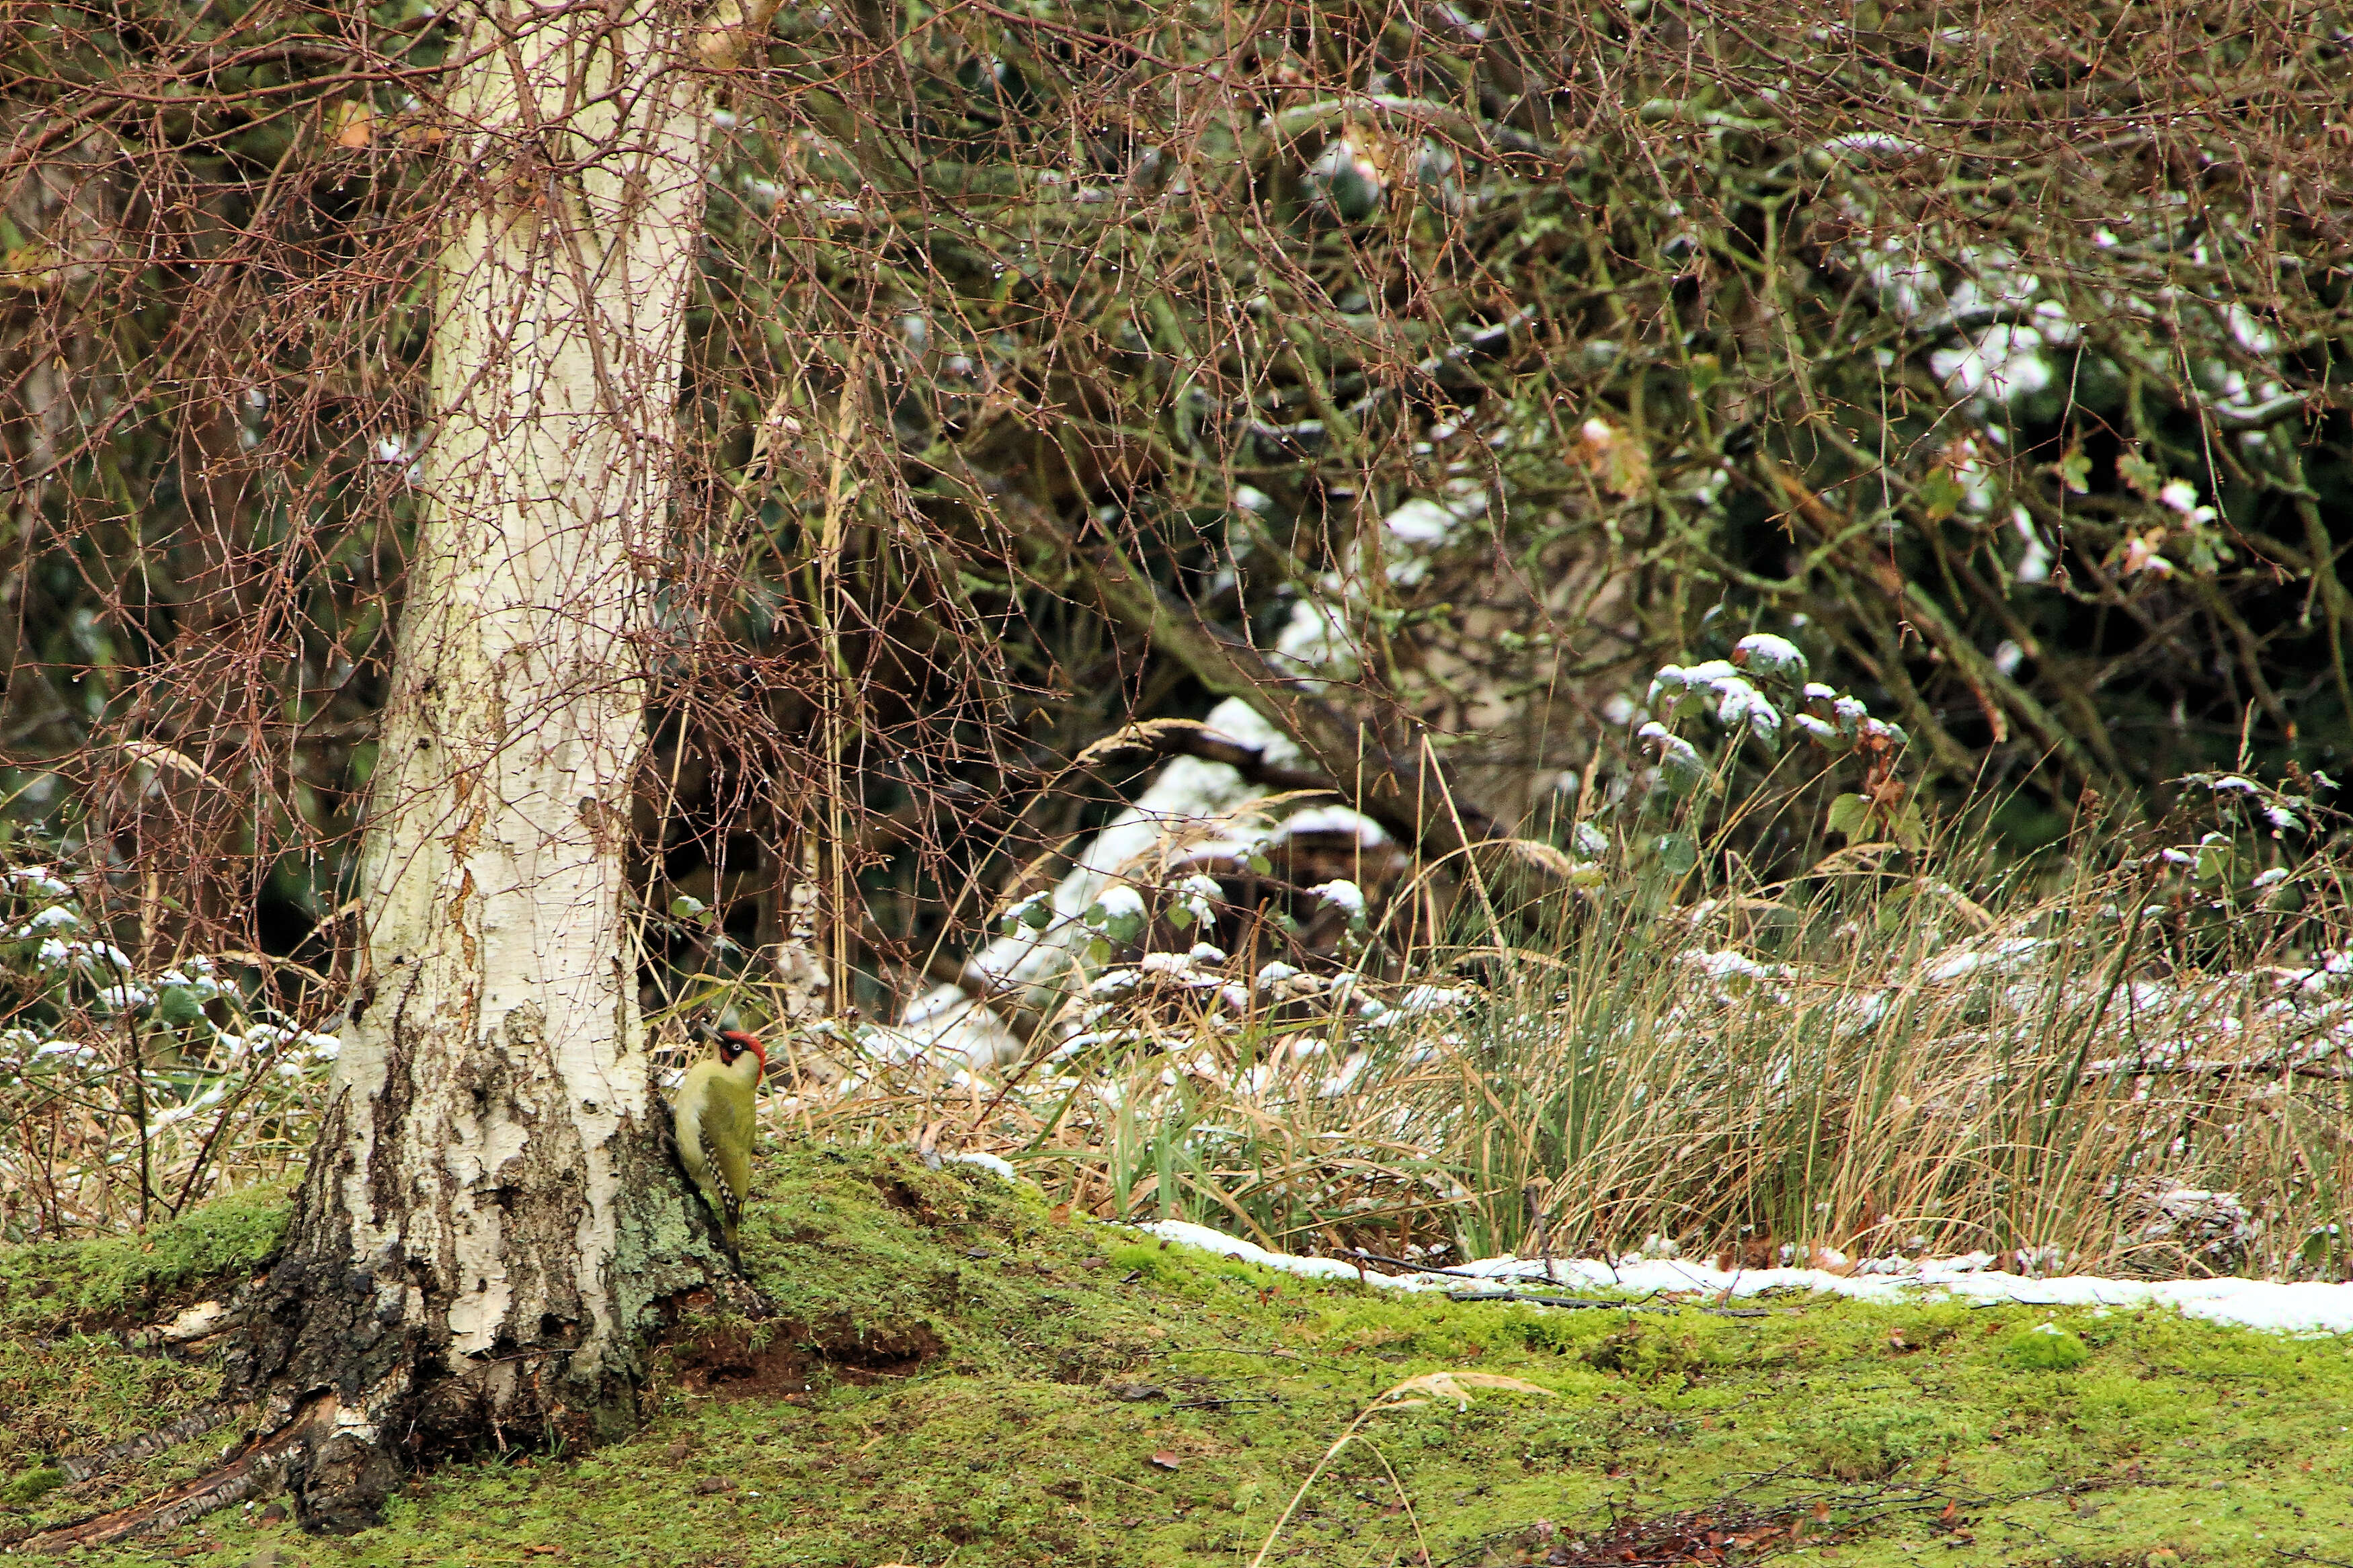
1150,1260
950,1372
2047,1347
53,1283
1877,1445
75,1394
1644,1351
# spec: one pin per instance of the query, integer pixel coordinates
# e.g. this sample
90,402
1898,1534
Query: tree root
255,1470
183,1504
82,1466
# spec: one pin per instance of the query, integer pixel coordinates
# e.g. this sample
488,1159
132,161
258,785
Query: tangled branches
1423,374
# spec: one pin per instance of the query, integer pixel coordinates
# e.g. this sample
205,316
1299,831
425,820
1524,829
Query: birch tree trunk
491,1209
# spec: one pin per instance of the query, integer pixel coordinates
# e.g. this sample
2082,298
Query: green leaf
1676,852
2142,475
687,908
2214,858
2075,470
1122,926
1941,494
1848,814
178,1005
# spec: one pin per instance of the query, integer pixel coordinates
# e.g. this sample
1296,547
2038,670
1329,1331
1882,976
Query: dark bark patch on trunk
347,1359
323,1333
391,1109
320,1321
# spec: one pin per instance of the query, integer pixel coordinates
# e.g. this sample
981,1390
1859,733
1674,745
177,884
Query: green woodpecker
716,1119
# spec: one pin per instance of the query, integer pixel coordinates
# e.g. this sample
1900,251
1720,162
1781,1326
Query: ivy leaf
2142,475
2075,470
1682,769
1035,912
1848,814
1676,852
178,1007
1941,494
2214,858
1118,914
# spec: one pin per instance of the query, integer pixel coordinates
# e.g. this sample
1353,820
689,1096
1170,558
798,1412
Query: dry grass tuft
2136,1068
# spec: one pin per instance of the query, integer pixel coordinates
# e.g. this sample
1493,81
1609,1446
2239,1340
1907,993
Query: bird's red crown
734,1043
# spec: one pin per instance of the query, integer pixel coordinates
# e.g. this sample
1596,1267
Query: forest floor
955,1372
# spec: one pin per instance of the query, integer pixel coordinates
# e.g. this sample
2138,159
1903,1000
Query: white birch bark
493,879
492,1099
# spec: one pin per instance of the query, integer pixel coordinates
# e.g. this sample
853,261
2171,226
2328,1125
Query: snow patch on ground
2302,1306
997,1163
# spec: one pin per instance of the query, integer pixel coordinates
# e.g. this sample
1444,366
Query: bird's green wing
728,1138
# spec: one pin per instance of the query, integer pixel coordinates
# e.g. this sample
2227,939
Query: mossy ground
955,1373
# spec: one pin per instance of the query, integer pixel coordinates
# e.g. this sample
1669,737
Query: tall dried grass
2134,1066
